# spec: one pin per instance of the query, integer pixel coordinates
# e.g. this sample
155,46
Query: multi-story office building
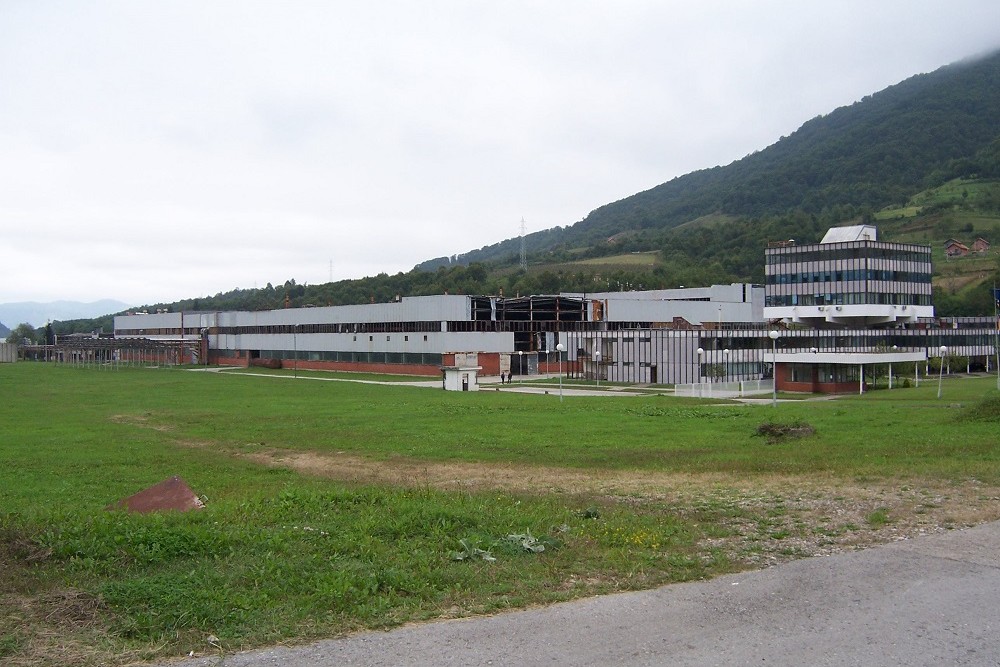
848,279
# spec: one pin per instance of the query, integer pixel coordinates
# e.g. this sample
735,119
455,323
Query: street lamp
773,335
944,351
894,348
520,366
597,358
701,353
559,350
295,348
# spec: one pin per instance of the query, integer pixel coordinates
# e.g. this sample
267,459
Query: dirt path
761,520
757,521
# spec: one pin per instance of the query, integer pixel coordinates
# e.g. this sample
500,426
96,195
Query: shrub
987,409
775,432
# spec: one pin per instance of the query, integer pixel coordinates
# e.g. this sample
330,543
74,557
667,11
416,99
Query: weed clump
775,432
986,409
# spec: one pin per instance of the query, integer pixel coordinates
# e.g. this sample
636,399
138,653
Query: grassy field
335,506
631,259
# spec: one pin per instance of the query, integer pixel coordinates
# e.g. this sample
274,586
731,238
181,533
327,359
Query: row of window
904,253
733,369
832,373
610,345
159,331
479,326
355,357
338,327
847,298
802,277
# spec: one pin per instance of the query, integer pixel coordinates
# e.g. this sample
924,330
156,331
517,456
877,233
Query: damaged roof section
530,309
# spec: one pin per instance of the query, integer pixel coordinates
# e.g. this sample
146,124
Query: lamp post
559,350
894,348
773,335
520,366
597,358
944,351
295,350
701,354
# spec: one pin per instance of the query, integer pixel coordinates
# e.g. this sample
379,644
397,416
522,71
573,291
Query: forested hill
876,152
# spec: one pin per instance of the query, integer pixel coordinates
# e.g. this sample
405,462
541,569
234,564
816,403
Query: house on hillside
953,248
981,245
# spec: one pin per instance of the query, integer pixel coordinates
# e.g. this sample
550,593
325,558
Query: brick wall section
345,366
552,367
783,383
490,362
354,367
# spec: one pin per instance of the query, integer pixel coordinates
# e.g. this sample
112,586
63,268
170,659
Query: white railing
724,389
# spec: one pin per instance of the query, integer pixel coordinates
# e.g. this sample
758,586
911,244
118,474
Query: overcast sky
154,151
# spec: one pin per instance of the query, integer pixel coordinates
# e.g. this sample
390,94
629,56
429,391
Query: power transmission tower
524,255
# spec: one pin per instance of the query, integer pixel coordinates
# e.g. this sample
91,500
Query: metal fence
110,353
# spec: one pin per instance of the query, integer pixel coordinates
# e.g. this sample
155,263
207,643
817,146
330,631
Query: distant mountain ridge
38,314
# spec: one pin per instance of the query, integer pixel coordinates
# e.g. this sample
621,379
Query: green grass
279,556
631,259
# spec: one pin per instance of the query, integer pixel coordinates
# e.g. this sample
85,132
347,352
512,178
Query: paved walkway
934,600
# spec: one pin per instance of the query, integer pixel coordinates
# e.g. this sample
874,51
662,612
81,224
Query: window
801,372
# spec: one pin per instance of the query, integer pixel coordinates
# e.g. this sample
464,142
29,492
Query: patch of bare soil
755,522
67,627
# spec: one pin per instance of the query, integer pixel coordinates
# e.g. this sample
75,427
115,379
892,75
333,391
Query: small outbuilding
460,378
8,353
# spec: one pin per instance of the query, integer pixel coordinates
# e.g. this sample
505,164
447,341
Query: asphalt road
934,600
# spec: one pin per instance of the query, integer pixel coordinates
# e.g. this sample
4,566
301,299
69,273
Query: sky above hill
155,151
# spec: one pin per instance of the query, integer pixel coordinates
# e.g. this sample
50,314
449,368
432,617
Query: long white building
826,312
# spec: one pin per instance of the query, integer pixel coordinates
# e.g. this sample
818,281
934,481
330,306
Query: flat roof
852,233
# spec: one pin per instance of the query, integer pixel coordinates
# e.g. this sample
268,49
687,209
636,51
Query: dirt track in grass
757,521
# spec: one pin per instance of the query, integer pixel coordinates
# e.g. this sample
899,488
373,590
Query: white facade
849,279
738,302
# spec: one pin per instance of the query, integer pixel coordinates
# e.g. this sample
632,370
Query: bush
775,432
986,409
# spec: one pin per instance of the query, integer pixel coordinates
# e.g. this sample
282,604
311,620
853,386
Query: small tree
715,371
